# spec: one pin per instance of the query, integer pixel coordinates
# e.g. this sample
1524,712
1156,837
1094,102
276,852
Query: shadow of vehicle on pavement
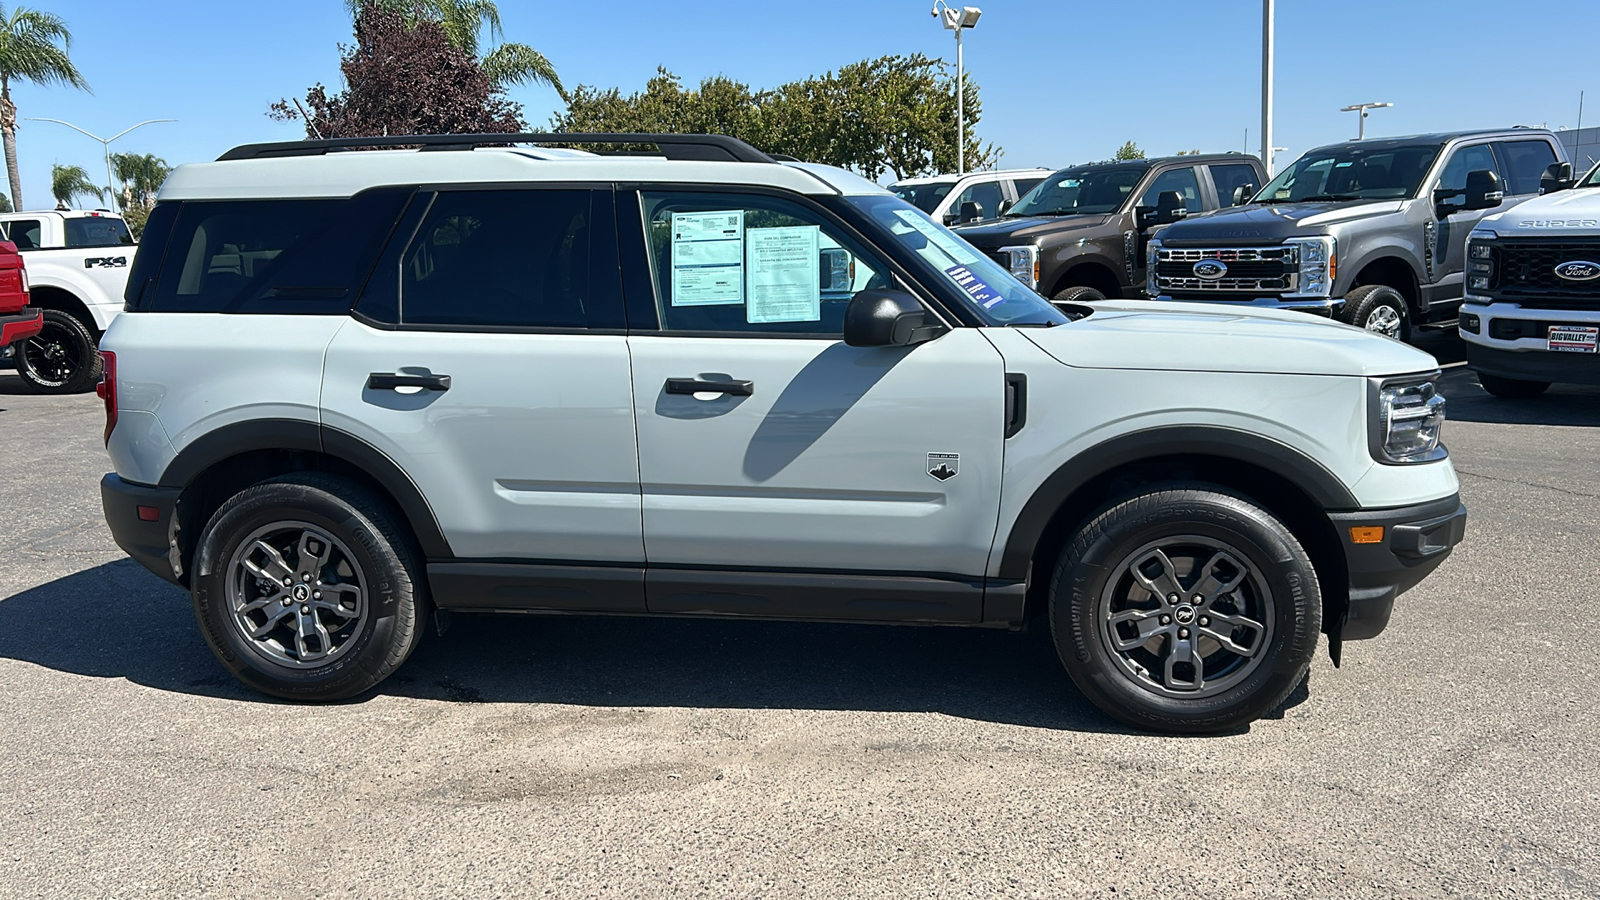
118,621
1563,404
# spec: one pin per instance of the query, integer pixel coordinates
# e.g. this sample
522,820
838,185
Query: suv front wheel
309,588
1185,610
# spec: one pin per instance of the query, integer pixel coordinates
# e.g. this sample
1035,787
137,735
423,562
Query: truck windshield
925,197
1084,190
97,231
1592,179
1352,173
986,287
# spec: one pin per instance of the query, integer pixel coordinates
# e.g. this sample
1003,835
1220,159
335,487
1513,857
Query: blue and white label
976,288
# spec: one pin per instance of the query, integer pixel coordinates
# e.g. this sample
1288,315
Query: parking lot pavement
1452,756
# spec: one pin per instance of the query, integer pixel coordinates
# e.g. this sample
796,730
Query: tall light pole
959,20
1361,110
1266,84
111,181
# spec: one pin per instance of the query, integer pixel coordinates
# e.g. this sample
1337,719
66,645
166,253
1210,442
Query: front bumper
20,326
1527,357
141,521
1416,539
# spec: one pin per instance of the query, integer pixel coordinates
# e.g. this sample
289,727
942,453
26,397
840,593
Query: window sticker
954,247
708,258
783,279
976,288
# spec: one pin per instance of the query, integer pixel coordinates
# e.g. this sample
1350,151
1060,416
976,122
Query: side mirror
1556,177
1243,193
970,212
1483,190
1004,206
886,319
1170,208
950,219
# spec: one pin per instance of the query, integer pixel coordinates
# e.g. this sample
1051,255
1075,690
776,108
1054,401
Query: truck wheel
61,358
308,587
1079,294
1185,610
1380,309
1511,388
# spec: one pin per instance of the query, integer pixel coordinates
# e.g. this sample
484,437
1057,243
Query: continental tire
1185,610
61,359
1379,309
308,587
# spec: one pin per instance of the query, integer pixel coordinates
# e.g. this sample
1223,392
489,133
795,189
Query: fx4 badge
944,466
106,262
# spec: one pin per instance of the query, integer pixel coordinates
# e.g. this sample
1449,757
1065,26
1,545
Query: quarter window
753,264
1526,162
24,233
517,259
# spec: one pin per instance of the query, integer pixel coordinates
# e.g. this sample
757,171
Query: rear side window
1025,185
1525,163
272,256
97,231
1227,178
24,233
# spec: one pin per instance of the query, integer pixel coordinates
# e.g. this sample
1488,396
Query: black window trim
639,282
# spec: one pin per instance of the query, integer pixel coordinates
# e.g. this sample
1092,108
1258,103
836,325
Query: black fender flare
1292,465
293,434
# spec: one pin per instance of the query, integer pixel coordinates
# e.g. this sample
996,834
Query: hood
1202,337
1571,213
1030,229
1271,222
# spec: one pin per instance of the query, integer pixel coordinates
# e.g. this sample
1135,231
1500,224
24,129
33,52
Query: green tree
5,204
464,21
141,175
33,48
68,183
1129,150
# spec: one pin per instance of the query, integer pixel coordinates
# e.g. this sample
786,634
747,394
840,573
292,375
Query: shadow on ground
118,621
1564,404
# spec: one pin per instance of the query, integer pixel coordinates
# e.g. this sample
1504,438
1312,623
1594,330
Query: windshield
97,231
1085,190
1352,173
1592,179
990,291
925,197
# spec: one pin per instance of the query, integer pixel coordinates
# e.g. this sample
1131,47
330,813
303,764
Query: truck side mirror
1243,193
1170,208
1005,205
887,319
1483,190
970,212
1556,177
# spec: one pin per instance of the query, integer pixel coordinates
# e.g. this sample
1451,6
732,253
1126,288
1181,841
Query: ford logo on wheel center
1575,270
1210,269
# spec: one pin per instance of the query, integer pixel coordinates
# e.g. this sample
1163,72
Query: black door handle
696,386
384,381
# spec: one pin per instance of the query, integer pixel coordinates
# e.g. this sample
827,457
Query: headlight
1023,261
1317,261
1480,262
1152,253
1406,419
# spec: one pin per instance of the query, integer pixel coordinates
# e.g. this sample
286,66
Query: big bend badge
944,466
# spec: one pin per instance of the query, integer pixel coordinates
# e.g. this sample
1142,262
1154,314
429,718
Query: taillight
107,390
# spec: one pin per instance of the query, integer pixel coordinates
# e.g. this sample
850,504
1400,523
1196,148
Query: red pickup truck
17,321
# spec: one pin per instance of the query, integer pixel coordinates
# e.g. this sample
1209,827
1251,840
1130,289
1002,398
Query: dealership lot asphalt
1453,756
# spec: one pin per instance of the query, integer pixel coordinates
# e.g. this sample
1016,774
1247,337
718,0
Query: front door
487,382
772,452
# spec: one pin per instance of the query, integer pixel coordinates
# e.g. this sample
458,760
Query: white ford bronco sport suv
355,388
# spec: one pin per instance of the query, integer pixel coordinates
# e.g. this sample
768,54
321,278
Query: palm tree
463,20
33,47
141,175
68,183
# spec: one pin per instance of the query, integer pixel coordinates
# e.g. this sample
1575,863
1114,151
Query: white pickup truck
78,266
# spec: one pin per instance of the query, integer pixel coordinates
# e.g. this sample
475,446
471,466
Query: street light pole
1267,15
111,181
959,20
1361,115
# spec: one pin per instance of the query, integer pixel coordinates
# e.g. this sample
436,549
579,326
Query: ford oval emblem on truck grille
1578,270
1212,269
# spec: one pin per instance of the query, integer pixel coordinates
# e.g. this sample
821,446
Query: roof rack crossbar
703,147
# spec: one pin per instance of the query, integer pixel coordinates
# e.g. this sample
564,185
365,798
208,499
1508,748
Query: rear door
1451,242
488,360
1227,177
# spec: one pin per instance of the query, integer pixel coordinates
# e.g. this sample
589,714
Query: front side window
24,233
1526,162
751,263
508,259
1176,181
97,231
1082,190
1352,173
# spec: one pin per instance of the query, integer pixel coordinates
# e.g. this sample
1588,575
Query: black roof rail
703,147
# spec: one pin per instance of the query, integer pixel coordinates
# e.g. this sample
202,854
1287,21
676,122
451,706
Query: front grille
1525,273
1253,270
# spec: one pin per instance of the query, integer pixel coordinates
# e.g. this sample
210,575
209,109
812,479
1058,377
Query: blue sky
1063,82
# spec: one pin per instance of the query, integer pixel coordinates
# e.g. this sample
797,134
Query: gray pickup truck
1081,233
1373,232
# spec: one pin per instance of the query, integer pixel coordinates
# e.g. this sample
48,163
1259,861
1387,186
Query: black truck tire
61,359
1379,309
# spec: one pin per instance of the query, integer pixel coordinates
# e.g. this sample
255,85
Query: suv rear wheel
1185,610
61,358
1379,309
308,587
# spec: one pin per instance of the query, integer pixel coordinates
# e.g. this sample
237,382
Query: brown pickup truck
1081,233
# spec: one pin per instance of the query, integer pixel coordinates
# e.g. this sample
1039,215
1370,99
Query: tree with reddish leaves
405,77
